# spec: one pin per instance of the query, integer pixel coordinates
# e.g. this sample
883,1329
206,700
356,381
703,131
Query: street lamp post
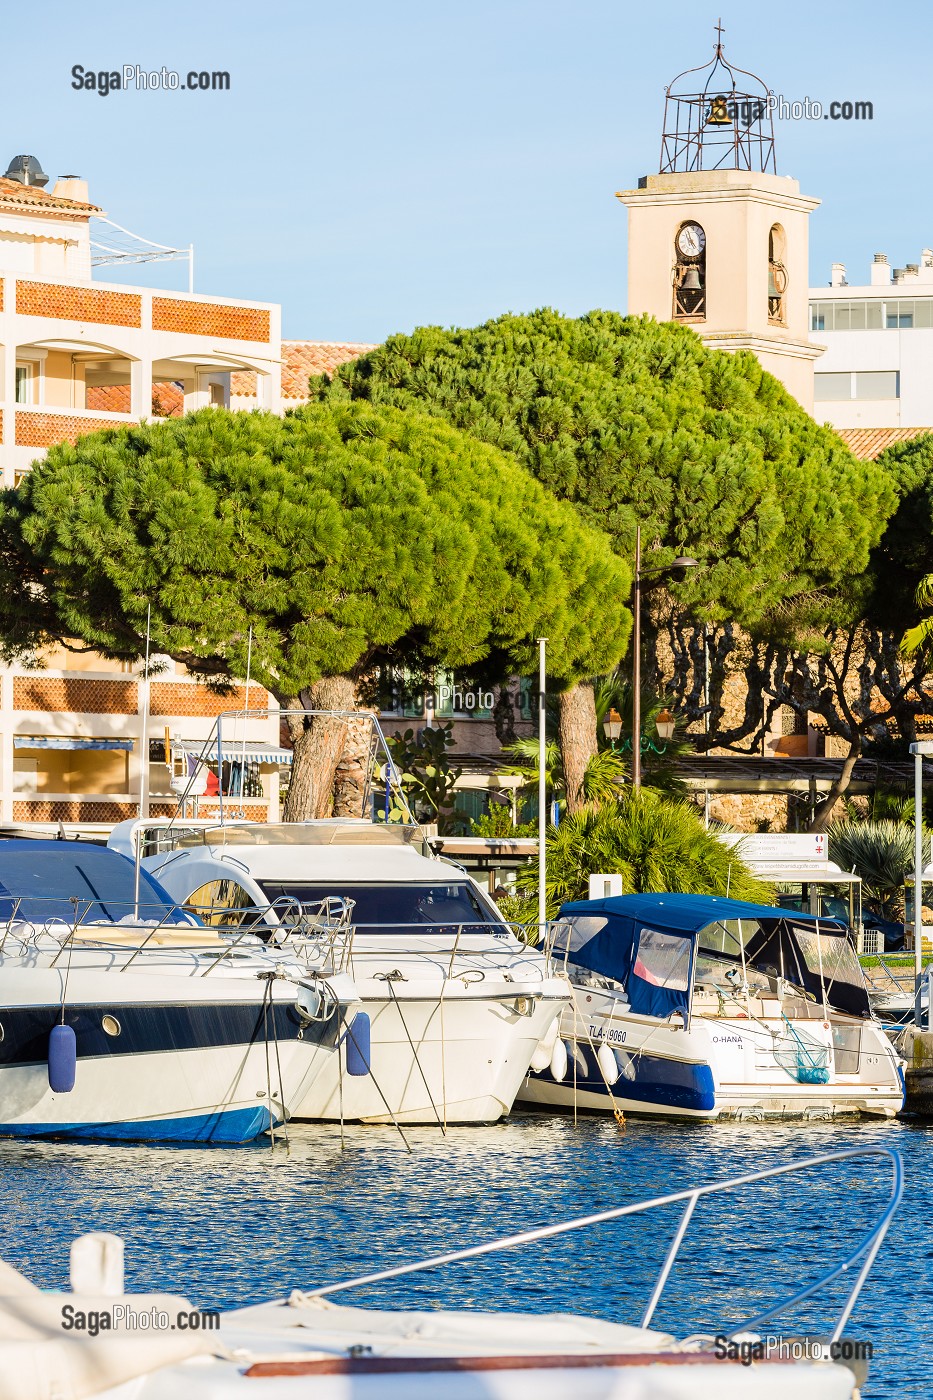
681,562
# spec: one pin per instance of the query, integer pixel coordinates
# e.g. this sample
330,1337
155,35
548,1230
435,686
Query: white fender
559,1061
608,1064
545,1046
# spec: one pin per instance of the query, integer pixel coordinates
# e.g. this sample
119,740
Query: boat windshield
834,954
727,936
399,907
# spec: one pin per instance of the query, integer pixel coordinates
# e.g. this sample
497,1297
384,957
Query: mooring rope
389,978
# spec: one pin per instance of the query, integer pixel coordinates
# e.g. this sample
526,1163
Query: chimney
837,275
880,271
71,187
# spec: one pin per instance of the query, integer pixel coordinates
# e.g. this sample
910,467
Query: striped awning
67,741
233,751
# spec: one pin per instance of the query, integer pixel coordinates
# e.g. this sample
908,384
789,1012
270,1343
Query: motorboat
124,1016
457,1004
694,1006
157,1346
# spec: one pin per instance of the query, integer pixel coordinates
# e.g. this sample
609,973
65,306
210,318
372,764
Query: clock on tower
717,239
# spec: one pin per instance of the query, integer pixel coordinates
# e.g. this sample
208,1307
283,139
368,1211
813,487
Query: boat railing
472,950
321,935
862,1254
207,931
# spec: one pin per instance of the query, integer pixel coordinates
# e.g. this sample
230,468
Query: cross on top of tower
717,117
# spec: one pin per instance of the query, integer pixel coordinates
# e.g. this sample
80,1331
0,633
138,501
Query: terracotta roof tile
301,359
869,443
168,401
31,196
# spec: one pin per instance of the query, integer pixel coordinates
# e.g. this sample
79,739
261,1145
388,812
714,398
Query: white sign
779,848
606,886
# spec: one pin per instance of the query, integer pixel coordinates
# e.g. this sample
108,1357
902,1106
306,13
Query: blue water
227,1226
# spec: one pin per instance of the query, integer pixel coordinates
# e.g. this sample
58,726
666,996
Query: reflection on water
227,1226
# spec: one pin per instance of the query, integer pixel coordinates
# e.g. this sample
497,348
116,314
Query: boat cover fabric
40,1361
47,876
331,1326
630,939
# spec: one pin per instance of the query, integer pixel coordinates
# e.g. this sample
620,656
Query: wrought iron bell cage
717,117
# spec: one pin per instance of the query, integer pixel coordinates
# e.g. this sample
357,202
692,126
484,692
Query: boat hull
456,1058
181,1062
719,1067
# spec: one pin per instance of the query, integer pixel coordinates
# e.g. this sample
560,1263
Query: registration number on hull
610,1034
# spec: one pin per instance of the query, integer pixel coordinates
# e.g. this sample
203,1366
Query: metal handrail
320,933
867,1249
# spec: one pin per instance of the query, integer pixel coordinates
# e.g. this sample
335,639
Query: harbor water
230,1226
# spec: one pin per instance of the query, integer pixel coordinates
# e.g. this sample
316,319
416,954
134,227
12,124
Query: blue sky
377,166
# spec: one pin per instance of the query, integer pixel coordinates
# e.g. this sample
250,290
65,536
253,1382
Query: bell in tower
717,239
717,117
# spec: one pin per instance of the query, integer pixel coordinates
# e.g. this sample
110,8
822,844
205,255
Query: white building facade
877,369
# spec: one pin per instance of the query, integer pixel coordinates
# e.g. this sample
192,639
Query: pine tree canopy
341,534
635,421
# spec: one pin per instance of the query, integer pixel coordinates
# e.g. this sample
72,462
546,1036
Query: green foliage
497,822
605,771
631,419
428,777
342,534
882,853
904,555
654,843
521,911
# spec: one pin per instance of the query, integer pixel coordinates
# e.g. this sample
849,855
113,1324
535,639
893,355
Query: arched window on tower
777,276
689,276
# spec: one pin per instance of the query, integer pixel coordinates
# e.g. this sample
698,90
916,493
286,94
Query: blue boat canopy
648,941
41,880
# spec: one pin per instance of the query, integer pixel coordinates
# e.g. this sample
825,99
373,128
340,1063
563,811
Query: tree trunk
824,810
351,780
319,744
577,738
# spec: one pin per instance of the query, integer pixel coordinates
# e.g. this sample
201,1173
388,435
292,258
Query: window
899,320
833,952
400,693
220,902
663,960
454,698
866,315
877,384
777,276
832,387
395,907
726,936
24,383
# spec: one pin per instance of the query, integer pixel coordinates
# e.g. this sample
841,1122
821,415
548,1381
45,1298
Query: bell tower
717,239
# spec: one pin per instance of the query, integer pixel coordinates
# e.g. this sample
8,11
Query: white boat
97,1341
692,1006
123,1016
457,1004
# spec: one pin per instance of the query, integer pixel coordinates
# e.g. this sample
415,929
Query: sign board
779,848
606,886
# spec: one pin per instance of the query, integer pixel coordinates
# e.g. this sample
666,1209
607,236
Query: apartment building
877,369
85,740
